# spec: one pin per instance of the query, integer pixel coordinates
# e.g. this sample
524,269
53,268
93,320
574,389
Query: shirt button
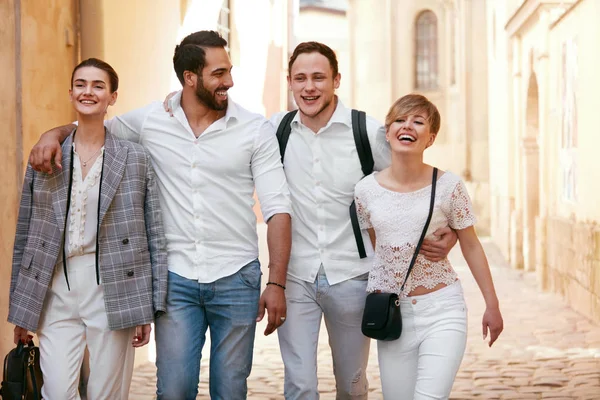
414,301
317,160
125,241
318,183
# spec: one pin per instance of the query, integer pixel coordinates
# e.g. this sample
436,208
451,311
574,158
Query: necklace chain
93,155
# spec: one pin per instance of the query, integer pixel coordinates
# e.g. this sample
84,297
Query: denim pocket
250,274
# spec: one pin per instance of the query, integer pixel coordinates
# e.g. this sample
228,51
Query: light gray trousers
342,307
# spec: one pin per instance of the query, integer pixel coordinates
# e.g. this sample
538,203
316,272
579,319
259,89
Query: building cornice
528,10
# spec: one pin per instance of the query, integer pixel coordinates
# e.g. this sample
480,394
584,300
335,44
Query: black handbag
381,317
22,378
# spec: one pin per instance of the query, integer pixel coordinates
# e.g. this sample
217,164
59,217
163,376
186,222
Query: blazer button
130,273
125,241
43,244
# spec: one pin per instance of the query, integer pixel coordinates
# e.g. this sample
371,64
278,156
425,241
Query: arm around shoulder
48,149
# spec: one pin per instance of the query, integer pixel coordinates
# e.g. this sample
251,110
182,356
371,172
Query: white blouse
398,220
82,220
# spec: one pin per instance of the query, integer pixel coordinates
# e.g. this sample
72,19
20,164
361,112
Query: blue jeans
228,307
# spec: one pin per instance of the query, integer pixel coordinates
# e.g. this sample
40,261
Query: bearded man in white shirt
208,159
326,277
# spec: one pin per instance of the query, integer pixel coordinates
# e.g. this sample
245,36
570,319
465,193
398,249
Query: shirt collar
341,115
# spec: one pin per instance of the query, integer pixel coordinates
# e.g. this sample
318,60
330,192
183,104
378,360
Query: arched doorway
530,161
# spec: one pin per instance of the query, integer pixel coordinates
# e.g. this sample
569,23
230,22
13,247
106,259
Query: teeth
222,93
311,98
406,137
88,102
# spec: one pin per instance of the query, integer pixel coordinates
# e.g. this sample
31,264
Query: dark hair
104,66
412,104
315,47
190,55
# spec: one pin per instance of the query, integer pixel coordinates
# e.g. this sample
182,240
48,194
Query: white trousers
423,363
341,306
76,318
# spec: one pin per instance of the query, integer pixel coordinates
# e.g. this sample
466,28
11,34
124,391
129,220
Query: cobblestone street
547,351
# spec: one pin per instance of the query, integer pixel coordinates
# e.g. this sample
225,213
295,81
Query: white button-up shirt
321,171
206,184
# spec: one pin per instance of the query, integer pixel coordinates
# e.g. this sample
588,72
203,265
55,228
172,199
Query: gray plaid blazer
132,256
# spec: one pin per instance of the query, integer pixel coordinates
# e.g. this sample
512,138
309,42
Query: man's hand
273,299
141,336
437,250
48,149
21,335
166,103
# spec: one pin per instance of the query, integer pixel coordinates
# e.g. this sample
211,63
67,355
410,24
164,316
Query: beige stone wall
573,264
10,173
49,51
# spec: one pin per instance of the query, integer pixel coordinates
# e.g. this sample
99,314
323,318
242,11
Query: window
426,52
223,23
569,139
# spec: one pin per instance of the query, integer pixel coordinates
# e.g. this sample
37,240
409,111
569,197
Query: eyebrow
83,80
222,69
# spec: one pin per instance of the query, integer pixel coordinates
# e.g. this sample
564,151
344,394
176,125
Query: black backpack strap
363,148
283,131
361,139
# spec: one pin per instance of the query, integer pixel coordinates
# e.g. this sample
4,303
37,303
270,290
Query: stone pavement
547,351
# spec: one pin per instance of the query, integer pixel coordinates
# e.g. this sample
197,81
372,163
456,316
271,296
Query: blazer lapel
115,159
59,182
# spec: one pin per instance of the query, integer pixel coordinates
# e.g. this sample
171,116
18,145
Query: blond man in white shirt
326,277
209,159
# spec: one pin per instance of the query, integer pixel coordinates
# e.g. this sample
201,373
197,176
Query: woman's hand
22,335
492,322
142,335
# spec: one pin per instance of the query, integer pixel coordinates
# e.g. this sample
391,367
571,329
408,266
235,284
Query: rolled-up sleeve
267,171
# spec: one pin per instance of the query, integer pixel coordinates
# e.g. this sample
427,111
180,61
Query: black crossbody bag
381,317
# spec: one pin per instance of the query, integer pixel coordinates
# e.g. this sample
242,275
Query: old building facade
544,197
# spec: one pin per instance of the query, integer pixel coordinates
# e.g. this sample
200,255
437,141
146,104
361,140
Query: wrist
276,284
492,304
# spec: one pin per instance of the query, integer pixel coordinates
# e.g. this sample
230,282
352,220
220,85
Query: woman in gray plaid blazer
90,262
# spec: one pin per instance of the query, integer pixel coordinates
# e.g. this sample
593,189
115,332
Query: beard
209,99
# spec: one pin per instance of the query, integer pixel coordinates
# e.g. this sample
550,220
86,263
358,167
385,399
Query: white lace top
398,220
82,220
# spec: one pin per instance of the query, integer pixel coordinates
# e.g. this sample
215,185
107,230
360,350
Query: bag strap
283,131
431,202
31,367
361,140
363,148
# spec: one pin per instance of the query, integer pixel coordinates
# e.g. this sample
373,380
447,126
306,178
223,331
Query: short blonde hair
412,104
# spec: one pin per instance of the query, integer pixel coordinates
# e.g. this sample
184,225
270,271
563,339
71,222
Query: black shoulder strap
363,148
418,248
283,131
361,139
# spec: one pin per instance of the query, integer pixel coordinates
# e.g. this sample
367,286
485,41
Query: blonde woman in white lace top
393,206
